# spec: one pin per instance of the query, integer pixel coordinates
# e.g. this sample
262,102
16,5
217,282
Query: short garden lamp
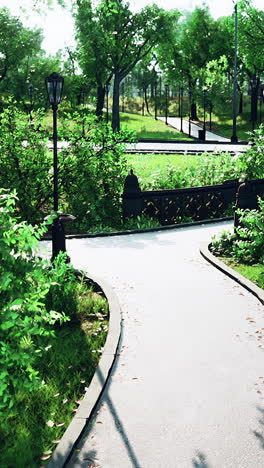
54,85
107,89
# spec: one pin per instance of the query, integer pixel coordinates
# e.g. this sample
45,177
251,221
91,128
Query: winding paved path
187,388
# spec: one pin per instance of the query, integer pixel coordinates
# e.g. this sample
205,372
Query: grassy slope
148,127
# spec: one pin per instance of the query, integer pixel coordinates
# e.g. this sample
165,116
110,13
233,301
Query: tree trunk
100,101
146,99
194,111
115,110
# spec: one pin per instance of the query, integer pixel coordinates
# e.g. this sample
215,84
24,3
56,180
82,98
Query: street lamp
181,106
156,103
261,100
190,111
30,93
254,83
82,96
234,134
54,85
204,105
107,89
166,103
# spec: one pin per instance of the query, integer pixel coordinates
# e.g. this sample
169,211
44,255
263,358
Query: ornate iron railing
178,205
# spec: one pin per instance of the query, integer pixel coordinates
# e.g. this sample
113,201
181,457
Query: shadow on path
200,461
80,457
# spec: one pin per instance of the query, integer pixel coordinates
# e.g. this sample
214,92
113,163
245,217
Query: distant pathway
176,123
188,385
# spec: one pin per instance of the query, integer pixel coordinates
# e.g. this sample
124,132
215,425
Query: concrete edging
247,284
87,406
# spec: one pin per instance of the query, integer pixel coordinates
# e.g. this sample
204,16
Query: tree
118,40
21,59
198,40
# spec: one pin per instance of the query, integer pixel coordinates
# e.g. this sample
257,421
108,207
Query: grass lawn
28,438
254,273
147,166
148,127
223,125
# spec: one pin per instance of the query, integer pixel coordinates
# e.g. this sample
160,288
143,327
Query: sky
58,26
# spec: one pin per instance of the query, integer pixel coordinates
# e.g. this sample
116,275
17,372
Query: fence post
132,197
245,199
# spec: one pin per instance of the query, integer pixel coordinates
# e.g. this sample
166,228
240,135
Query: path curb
251,287
87,406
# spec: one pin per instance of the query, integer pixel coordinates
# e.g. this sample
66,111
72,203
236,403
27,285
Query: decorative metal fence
196,203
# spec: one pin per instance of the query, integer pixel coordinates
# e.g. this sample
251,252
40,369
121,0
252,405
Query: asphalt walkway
175,122
187,387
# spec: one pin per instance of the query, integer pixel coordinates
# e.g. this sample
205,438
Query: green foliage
155,173
26,322
25,163
140,222
93,171
246,244
66,369
250,166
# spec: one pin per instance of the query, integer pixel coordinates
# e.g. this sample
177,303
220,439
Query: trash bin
201,135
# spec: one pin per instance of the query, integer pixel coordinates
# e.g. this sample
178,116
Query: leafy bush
26,321
93,172
246,244
25,164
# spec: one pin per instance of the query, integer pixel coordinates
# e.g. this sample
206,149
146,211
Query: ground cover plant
244,248
52,332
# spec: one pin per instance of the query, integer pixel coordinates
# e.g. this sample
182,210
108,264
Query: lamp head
54,85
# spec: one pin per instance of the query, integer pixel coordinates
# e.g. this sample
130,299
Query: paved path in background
180,146
188,385
175,122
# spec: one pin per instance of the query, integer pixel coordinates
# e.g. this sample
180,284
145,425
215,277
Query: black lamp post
54,85
204,105
210,113
261,100
181,106
30,93
155,103
254,82
234,138
166,103
107,89
82,96
190,111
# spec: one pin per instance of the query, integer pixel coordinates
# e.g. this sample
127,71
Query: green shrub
246,244
26,163
93,172
26,321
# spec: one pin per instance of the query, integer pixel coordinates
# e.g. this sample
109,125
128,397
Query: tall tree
113,40
198,40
